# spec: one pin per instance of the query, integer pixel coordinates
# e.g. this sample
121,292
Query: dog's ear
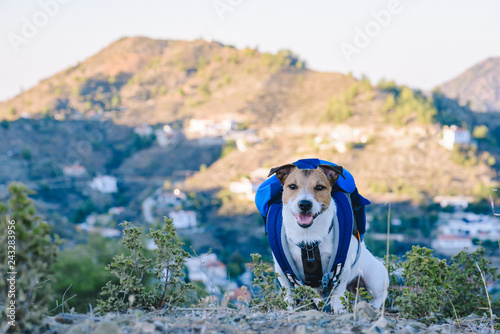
282,172
332,172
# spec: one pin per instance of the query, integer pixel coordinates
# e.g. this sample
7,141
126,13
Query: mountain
388,136
294,111
479,86
139,80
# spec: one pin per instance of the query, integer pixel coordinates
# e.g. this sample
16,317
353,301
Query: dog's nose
305,205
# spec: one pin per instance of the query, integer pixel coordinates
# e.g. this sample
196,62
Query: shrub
338,110
168,289
349,299
435,289
36,253
480,132
426,284
270,296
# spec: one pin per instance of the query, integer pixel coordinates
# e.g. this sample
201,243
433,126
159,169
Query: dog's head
307,192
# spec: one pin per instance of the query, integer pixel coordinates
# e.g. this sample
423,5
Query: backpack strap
345,227
278,247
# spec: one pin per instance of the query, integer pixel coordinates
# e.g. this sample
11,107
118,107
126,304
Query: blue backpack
350,214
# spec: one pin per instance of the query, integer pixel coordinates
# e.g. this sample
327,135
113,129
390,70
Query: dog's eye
292,186
319,188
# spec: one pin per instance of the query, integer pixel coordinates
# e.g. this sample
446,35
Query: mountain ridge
478,86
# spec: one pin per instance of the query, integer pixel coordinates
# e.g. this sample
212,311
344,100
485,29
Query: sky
420,43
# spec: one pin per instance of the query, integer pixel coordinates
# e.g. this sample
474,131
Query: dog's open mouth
305,219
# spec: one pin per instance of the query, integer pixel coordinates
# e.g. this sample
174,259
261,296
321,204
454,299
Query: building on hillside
456,231
207,127
116,210
143,130
468,224
244,187
183,219
170,199
104,231
74,170
341,138
165,136
244,139
453,135
161,138
259,175
105,184
458,202
450,245
209,270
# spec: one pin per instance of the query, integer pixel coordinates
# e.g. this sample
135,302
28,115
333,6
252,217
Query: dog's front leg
286,284
339,291
335,295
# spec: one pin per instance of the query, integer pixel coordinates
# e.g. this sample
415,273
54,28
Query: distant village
456,230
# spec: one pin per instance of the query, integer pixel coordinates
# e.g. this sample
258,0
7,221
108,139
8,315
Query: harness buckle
292,279
331,279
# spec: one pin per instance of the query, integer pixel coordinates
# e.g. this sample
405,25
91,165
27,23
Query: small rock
415,326
159,326
65,319
107,327
300,329
82,328
364,312
315,314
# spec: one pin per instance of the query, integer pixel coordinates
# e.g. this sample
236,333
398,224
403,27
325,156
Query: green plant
228,148
435,289
338,110
349,299
132,290
426,284
304,298
35,251
468,294
80,273
270,296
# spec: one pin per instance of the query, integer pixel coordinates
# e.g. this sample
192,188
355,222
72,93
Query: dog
308,213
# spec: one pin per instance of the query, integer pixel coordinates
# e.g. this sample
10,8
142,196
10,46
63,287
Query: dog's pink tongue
305,220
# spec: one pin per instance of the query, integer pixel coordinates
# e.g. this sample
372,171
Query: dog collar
310,246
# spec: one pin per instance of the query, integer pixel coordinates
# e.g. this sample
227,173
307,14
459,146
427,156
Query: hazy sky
420,43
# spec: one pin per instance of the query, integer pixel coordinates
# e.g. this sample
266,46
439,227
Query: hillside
389,135
479,86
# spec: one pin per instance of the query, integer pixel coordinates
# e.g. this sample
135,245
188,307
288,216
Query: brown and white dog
308,212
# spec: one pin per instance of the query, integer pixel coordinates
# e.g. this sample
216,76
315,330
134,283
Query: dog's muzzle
305,220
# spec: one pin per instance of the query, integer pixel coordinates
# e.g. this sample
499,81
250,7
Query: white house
259,175
183,219
209,270
74,170
470,225
207,127
161,138
104,184
244,187
450,245
170,198
143,130
104,231
459,202
453,135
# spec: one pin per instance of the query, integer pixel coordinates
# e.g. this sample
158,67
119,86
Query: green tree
35,253
80,272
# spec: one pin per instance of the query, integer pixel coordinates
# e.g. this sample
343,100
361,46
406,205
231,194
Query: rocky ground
364,320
